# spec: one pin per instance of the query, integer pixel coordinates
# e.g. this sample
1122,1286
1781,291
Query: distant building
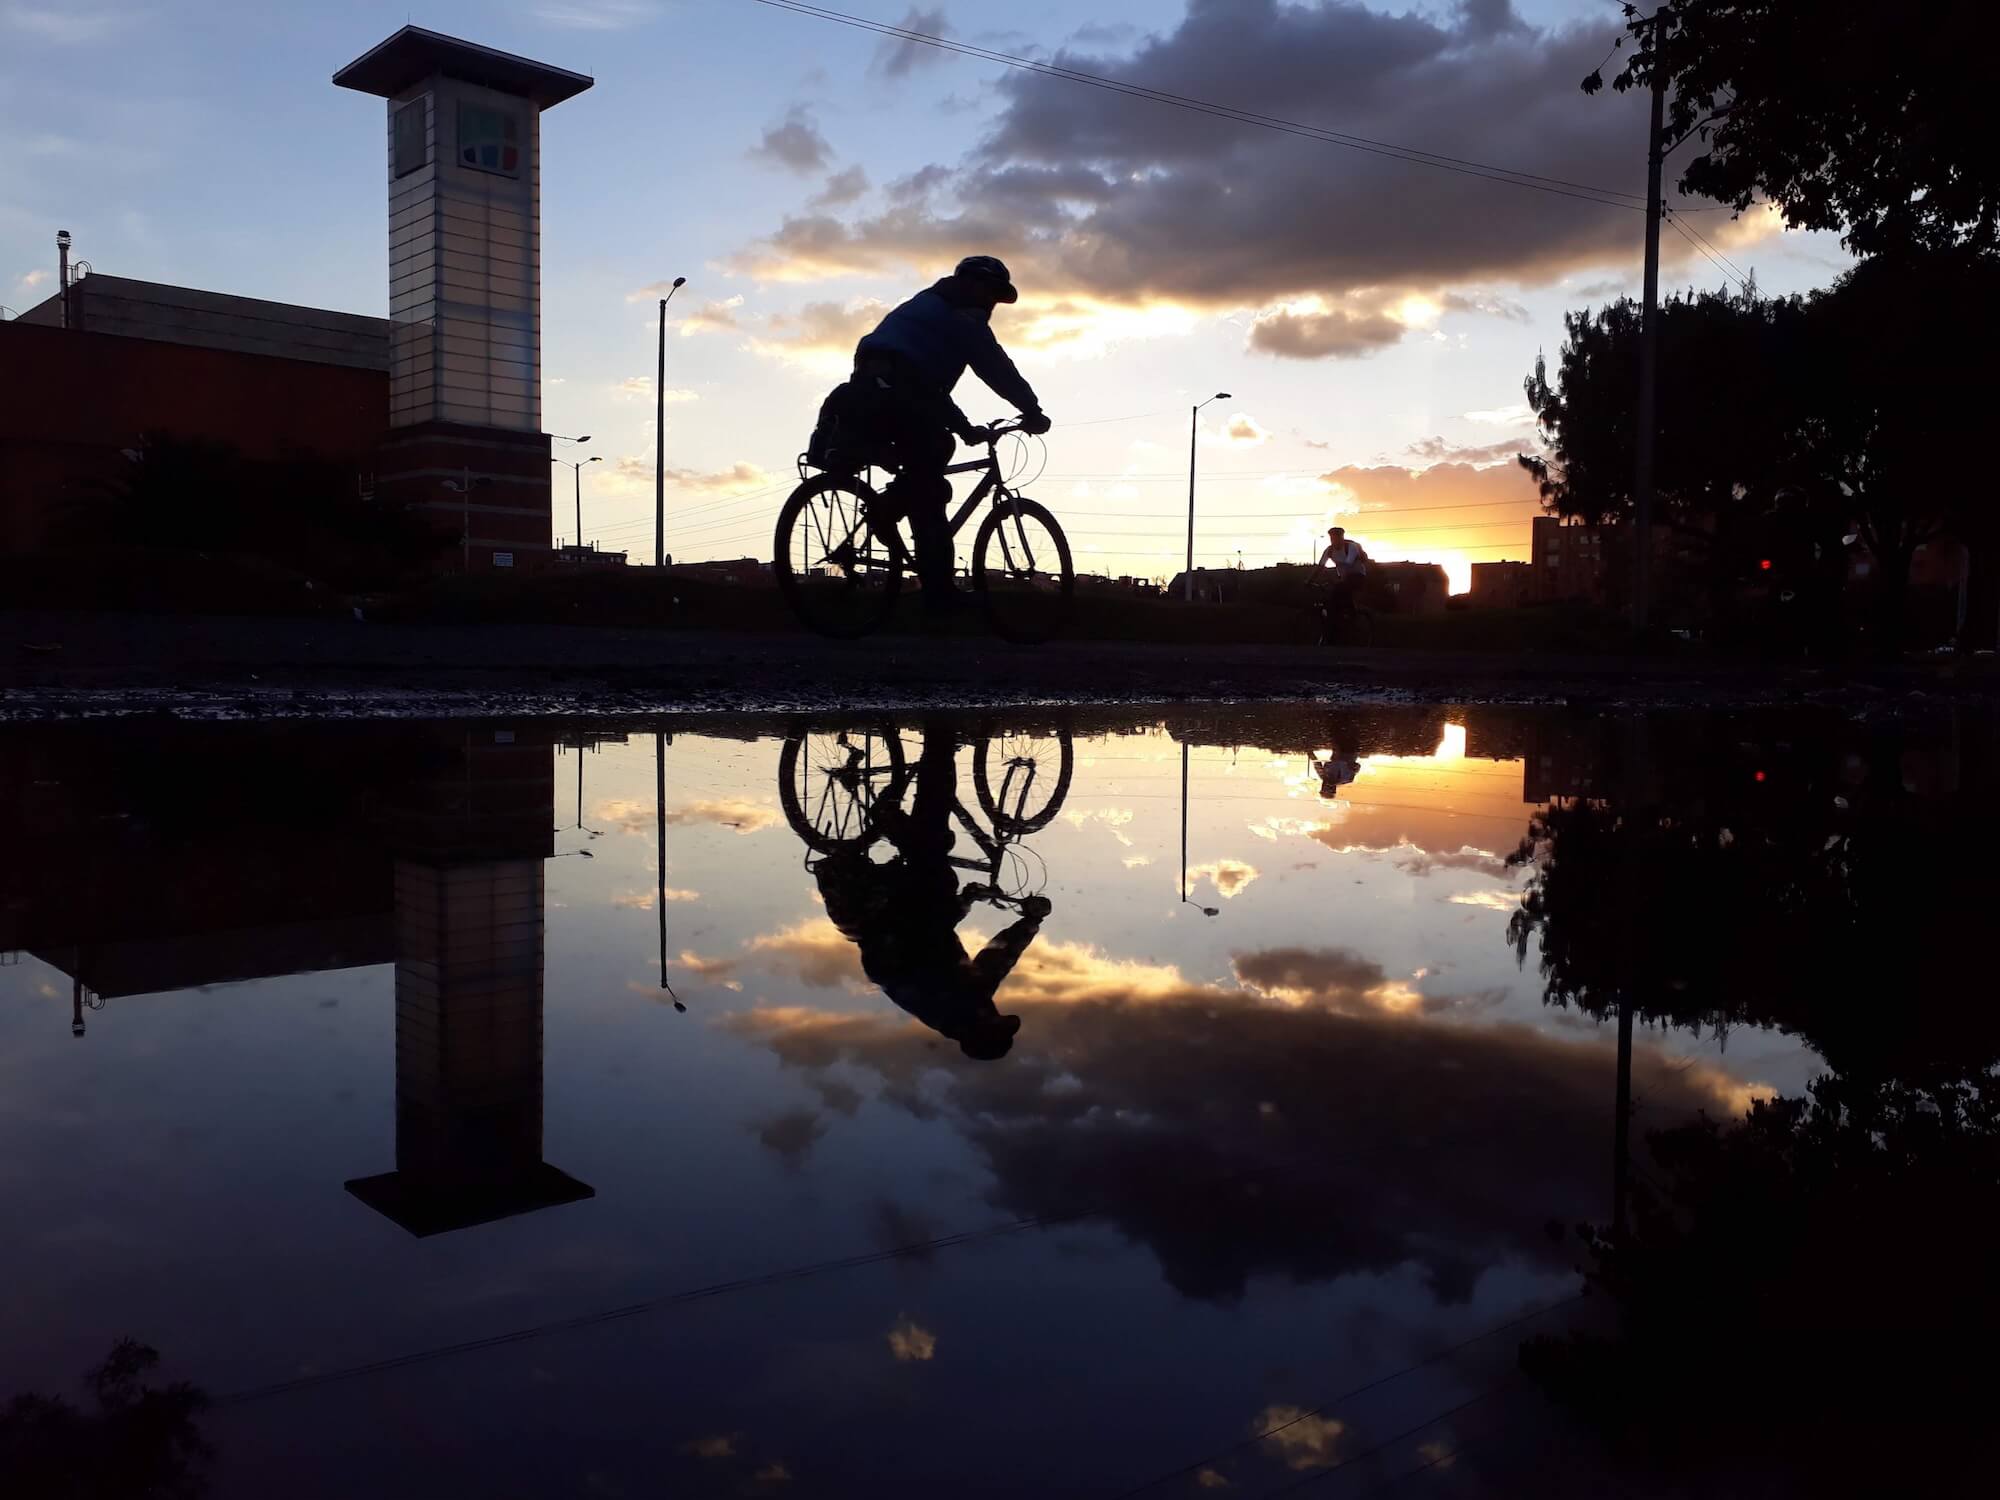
1406,588
744,572
575,557
1501,585
446,391
1567,560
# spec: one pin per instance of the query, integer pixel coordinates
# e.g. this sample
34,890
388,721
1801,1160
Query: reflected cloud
791,1136
1304,1440
908,1341
814,952
739,813
722,1445
1276,1125
1230,877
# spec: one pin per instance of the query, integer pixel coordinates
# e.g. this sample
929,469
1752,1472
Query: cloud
65,25
1414,861
722,1445
1611,288
1316,330
1246,432
635,387
774,1472
643,900
34,278
820,333
1516,414
1096,199
1487,305
841,187
1437,450
633,474
908,1341
795,144
1303,1440
596,15
900,57
1330,1137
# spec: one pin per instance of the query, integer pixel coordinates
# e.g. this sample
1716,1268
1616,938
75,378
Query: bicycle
841,570
1352,625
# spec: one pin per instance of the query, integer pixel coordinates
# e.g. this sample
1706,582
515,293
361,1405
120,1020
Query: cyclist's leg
925,495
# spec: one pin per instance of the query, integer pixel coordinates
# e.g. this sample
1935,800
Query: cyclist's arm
991,364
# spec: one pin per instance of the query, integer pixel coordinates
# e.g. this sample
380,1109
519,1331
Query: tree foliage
1849,115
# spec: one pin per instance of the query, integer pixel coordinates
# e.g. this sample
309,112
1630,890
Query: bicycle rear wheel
1022,570
840,579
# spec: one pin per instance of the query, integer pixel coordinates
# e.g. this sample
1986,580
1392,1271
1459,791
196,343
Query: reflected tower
469,990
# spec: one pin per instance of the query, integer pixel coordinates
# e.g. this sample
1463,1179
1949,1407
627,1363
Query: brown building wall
74,399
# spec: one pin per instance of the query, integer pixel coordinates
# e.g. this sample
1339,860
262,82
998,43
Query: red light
1764,566
1760,776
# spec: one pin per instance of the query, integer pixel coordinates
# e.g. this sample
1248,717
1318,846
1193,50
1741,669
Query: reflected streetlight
1206,911
1194,412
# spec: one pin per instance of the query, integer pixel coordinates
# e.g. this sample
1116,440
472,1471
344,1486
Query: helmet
989,268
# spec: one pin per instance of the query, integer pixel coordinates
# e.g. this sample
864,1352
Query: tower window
489,140
412,149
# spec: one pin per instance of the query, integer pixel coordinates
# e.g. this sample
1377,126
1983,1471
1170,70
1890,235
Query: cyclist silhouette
903,915
899,400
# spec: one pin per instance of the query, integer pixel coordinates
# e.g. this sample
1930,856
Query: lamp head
680,281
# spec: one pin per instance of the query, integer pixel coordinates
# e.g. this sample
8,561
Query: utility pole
1649,341
1194,428
660,436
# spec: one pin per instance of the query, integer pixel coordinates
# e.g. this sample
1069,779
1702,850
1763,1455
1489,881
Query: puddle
1059,1100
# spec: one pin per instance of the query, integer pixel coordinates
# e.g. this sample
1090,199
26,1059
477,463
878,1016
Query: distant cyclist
900,395
1349,563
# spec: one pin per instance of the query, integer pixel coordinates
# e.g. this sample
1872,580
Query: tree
1722,467
1848,115
1889,408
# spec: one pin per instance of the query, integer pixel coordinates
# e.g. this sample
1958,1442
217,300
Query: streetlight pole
1194,427
576,469
660,435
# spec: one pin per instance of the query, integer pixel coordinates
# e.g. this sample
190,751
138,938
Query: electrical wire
1416,156
1717,252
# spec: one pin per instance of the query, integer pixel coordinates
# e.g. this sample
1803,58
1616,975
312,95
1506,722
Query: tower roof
414,54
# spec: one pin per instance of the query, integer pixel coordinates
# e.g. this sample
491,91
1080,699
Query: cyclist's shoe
1036,906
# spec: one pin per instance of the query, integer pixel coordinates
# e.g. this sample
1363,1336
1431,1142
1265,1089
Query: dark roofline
413,54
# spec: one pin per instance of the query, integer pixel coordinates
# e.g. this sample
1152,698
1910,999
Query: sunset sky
1374,318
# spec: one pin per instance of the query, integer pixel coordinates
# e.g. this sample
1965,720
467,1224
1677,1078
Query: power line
1416,156
1675,225
1713,247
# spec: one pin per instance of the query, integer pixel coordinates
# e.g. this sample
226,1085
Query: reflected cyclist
903,915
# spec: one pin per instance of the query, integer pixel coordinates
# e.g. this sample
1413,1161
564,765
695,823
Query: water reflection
940,976
470,839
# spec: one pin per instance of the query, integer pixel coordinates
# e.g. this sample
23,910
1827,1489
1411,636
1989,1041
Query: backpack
840,437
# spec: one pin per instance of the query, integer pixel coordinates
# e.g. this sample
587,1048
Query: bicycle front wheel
1021,568
1022,777
838,576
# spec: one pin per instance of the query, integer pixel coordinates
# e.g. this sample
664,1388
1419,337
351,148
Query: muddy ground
54,665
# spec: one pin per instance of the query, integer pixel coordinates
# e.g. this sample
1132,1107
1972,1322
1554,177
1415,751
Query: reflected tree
1804,1279
1807,887
137,1438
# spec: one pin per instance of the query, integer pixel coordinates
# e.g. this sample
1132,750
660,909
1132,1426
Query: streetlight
576,469
1193,427
660,435
579,441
